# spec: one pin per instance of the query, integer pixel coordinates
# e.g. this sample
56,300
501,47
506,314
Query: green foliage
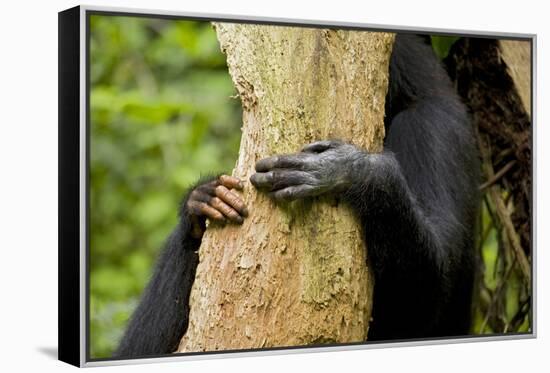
442,44
500,303
161,114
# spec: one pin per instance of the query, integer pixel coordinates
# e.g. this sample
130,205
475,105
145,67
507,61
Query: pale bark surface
517,56
292,274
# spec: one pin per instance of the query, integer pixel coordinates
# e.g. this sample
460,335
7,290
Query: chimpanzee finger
293,192
231,182
262,180
280,179
297,161
200,195
321,146
207,189
225,209
202,209
232,199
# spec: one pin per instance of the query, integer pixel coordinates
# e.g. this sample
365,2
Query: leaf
442,44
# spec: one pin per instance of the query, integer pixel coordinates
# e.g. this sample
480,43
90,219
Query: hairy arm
417,200
162,315
412,200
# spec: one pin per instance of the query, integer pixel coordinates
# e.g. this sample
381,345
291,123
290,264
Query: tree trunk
517,56
292,274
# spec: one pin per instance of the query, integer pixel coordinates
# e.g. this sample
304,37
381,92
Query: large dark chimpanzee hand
321,167
217,201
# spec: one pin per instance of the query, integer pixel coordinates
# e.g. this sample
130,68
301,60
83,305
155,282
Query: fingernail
245,211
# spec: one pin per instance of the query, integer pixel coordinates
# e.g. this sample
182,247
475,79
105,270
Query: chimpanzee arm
416,201
161,317
423,284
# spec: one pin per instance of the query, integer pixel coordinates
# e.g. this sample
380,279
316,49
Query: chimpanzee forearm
417,202
396,228
405,253
161,318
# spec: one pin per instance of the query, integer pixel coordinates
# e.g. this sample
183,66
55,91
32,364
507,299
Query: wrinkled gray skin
321,167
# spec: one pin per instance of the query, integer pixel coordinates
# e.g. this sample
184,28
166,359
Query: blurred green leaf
442,44
161,115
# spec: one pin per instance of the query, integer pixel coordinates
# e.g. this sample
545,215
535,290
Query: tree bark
517,56
295,273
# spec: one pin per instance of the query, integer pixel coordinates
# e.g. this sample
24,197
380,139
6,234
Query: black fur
162,315
417,202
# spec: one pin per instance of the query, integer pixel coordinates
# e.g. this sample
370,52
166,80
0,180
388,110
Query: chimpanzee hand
217,201
322,167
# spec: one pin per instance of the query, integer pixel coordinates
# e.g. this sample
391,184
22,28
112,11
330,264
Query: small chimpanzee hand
321,167
217,201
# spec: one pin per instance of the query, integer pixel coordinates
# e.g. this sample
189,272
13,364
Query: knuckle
193,208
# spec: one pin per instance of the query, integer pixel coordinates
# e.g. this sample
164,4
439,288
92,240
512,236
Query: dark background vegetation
163,112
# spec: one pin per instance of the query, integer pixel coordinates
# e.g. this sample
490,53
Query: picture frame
75,144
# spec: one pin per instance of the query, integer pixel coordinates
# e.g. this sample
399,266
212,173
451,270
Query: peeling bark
292,274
